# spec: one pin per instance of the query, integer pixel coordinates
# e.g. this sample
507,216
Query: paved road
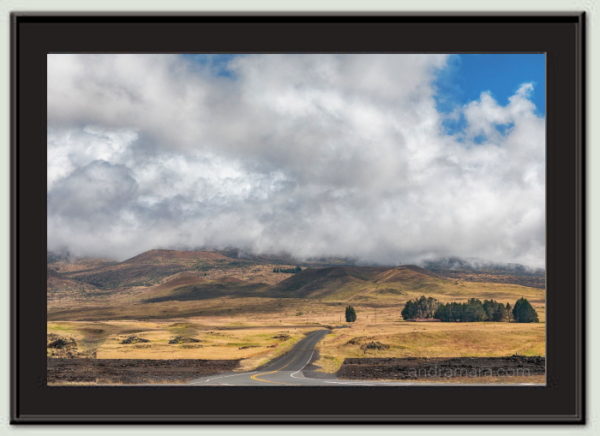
286,370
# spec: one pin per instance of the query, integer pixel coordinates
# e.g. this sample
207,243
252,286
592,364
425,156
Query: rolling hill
479,271
239,306
323,282
345,282
164,282
177,257
145,269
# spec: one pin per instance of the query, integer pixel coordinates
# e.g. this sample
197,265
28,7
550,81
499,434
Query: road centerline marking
256,377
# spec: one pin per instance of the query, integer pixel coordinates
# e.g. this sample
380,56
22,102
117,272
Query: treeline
295,270
474,310
423,307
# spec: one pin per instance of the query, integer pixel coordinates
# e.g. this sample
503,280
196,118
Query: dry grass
243,327
252,338
219,340
431,339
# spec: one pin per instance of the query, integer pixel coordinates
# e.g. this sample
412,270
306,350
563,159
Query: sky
384,158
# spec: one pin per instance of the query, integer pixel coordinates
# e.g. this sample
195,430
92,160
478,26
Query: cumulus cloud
313,155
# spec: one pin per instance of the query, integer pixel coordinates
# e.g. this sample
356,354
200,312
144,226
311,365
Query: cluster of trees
423,307
350,314
473,310
295,270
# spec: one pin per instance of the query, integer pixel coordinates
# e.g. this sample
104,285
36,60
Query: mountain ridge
154,268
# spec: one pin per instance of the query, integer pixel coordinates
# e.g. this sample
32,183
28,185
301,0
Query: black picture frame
560,35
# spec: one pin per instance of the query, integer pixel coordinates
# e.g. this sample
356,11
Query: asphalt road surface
284,370
287,370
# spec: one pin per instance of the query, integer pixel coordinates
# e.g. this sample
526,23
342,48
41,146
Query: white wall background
592,7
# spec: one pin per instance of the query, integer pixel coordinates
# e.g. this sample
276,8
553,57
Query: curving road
286,370
283,370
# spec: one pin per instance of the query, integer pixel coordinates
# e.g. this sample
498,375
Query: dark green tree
495,311
523,311
500,314
450,312
422,307
294,270
350,314
473,311
443,312
409,311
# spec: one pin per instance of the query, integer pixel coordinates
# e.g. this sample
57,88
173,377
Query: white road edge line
307,362
254,372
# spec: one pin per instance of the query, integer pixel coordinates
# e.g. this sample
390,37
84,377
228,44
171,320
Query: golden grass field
431,339
245,326
219,340
253,338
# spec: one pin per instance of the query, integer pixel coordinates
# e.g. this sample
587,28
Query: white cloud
310,154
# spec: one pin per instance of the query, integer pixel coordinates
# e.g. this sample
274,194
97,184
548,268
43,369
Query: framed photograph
274,218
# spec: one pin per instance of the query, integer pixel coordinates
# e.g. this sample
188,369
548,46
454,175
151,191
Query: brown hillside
180,257
148,268
411,277
82,264
320,282
60,288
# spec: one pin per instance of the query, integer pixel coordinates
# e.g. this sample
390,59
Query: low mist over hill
168,276
153,266
478,270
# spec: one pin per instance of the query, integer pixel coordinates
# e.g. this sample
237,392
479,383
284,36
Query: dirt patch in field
133,371
134,340
64,347
374,345
183,340
411,368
